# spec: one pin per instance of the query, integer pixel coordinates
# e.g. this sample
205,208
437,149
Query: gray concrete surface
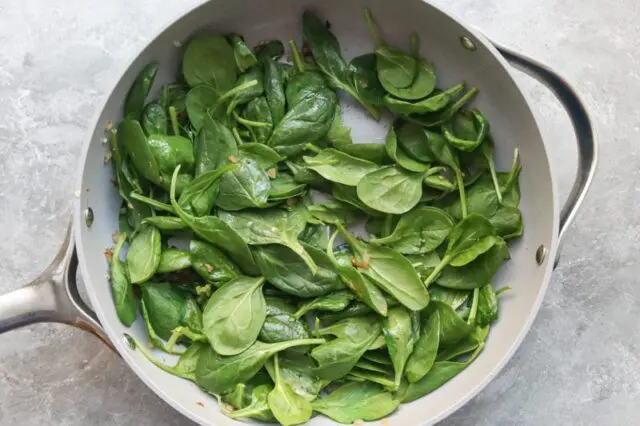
578,366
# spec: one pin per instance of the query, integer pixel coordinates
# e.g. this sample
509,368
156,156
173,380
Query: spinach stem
250,123
236,135
494,178
474,307
415,45
178,332
297,248
231,93
373,28
276,368
503,289
463,197
311,147
153,203
515,168
174,120
432,277
168,368
297,58
154,339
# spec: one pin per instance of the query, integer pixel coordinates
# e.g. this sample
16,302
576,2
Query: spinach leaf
209,59
413,141
169,308
257,118
211,263
198,198
273,49
139,90
284,187
258,407
285,270
274,90
374,152
234,315
424,81
298,372
247,186
282,327
481,132
353,401
173,259
326,53
419,231
390,189
265,157
271,226
487,306
243,56
123,297
334,212
433,103
507,222
398,332
154,119
349,195
454,298
360,285
339,167
143,256
215,231
364,80
338,133
476,273
138,150
216,373
389,270
332,302
213,147
470,238
287,406
398,155
440,373
353,337
425,350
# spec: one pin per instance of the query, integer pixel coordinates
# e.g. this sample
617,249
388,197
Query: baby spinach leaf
487,306
282,327
199,102
397,154
213,146
339,167
285,270
234,315
454,298
470,238
425,350
364,80
215,231
211,264
332,302
326,53
433,103
297,371
374,152
338,133
185,367
284,187
209,59
123,297
315,235
425,77
413,141
247,186
444,116
170,151
173,259
358,375
419,231
258,407
507,222
169,307
353,336
216,373
397,329
481,199
198,198
273,49
440,373
274,90
463,144
354,401
143,256
334,212
139,90
364,364
271,226
360,285
349,195
287,406
154,119
243,56
138,150
390,189
265,157
477,273
257,118
389,270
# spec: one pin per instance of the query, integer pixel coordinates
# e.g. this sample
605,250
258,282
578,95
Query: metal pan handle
582,126
52,297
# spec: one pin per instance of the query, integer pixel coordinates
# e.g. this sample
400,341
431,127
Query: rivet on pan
88,216
128,340
467,43
541,254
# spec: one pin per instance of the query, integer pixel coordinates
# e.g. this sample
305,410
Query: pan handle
52,297
582,126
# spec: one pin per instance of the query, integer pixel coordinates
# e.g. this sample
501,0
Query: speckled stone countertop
579,365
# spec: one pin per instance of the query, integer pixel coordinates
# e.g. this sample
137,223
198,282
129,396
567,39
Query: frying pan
459,54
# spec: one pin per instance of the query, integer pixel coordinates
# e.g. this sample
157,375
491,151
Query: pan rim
124,351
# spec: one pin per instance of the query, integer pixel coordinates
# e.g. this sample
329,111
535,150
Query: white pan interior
500,100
